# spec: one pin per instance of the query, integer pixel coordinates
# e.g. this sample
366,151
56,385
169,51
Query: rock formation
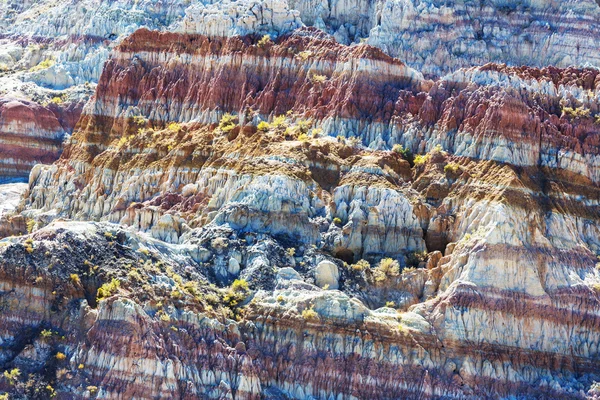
248,244
253,204
50,49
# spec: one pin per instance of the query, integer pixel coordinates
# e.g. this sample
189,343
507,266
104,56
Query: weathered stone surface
227,205
327,275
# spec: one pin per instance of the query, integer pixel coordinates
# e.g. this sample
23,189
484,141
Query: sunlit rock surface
288,214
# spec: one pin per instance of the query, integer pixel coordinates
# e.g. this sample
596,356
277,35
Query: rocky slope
50,50
244,250
51,55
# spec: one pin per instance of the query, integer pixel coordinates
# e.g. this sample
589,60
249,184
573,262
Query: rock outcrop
50,48
439,37
278,215
253,254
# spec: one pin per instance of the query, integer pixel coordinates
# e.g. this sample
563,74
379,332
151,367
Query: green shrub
387,268
30,225
310,314
237,293
108,289
303,125
451,168
263,126
57,100
140,120
578,112
337,221
316,78
405,153
12,375
174,127
227,122
280,121
46,333
75,279
47,63
304,55
420,160
265,40
361,265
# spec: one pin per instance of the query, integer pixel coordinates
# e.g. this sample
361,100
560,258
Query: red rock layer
31,134
353,91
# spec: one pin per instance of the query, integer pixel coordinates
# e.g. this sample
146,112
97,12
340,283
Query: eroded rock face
248,245
439,37
50,49
230,18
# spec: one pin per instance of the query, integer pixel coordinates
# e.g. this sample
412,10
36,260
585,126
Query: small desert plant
451,168
265,40
92,389
237,293
578,112
280,121
108,289
174,127
304,55
337,221
30,225
140,120
75,279
405,153
227,122
420,159
46,333
12,375
57,100
219,243
361,265
47,63
316,78
387,268
263,126
310,314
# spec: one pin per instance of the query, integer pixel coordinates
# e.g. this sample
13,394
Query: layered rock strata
499,222
62,45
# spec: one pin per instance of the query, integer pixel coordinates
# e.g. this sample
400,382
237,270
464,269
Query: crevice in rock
345,255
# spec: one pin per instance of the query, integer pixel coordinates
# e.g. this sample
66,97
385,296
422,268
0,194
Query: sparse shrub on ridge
310,314
174,127
237,293
108,289
227,122
386,269
263,126
45,64
317,78
361,265
405,153
265,40
451,168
